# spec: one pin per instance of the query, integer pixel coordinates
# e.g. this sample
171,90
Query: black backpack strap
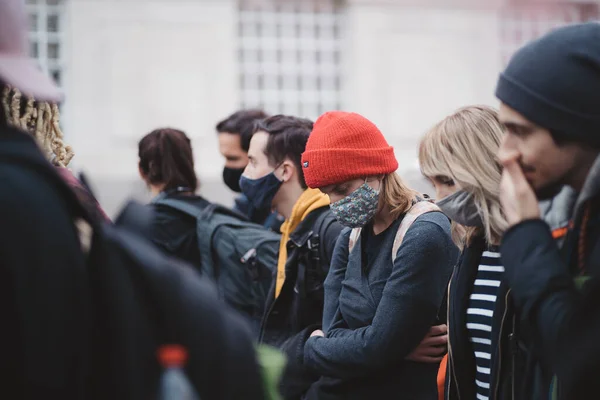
322,224
310,280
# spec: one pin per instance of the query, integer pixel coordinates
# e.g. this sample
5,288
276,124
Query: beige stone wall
136,65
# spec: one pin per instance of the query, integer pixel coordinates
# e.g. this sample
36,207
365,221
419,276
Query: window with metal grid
46,20
529,19
289,55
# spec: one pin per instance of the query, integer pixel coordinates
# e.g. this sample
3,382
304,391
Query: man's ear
288,170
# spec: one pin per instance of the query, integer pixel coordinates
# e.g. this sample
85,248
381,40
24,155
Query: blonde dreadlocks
39,119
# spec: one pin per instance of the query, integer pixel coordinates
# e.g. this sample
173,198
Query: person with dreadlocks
41,120
42,266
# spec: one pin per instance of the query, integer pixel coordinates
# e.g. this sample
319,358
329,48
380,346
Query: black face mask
231,177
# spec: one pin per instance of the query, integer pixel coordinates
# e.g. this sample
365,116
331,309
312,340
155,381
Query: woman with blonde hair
458,156
389,272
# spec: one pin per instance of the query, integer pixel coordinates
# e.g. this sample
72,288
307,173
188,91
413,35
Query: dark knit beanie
554,82
344,146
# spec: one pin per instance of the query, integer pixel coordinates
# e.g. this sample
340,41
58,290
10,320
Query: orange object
172,355
441,378
560,232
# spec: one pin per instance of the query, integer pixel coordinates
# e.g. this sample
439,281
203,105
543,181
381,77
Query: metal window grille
289,55
46,24
531,19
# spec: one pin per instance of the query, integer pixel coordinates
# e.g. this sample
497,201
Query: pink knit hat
16,67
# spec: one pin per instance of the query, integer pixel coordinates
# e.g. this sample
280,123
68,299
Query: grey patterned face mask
358,208
460,207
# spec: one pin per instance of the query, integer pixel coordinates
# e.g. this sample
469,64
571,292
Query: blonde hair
40,119
396,195
463,147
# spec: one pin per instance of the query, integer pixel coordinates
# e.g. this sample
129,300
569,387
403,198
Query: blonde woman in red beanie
389,271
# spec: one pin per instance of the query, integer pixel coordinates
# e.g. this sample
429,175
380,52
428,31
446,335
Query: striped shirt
482,303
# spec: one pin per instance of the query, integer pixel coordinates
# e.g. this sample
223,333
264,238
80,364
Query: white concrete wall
410,63
135,65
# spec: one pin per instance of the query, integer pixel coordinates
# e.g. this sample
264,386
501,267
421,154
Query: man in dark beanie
550,94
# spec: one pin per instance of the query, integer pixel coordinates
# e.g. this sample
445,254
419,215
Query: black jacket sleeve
564,320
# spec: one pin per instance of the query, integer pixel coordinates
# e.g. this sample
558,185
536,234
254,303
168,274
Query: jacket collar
591,188
557,211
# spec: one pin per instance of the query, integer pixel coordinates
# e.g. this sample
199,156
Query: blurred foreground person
86,322
42,268
550,93
389,271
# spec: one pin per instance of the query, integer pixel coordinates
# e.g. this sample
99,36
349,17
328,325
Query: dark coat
42,275
562,320
300,303
381,315
506,354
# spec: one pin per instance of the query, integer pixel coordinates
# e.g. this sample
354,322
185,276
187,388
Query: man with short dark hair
274,176
550,94
234,133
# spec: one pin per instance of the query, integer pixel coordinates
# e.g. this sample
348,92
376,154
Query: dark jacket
42,273
460,383
381,315
300,303
175,232
562,320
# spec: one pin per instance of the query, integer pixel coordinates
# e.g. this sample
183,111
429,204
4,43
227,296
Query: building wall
409,66
136,65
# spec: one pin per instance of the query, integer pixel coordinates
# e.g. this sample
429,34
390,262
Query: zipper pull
512,340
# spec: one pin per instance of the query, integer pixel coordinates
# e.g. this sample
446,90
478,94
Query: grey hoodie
568,205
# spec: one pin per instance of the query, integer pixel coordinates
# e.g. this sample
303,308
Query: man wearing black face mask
234,135
274,176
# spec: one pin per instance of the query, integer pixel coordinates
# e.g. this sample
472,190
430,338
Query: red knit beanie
345,146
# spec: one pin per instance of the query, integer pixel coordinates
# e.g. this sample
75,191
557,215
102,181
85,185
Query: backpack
240,256
311,276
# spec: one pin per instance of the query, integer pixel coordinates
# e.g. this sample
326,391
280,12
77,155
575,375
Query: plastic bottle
174,384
